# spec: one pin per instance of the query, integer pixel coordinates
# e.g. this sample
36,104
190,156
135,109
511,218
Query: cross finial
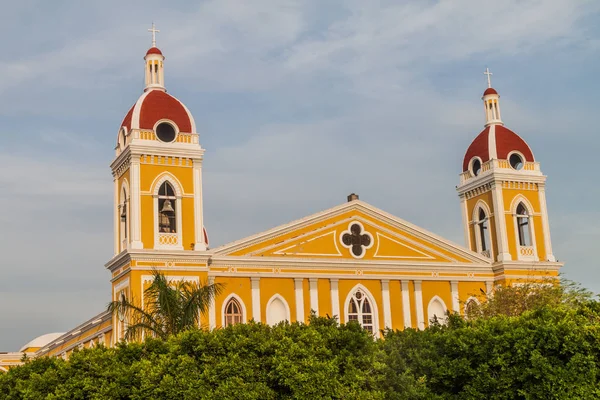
154,31
489,74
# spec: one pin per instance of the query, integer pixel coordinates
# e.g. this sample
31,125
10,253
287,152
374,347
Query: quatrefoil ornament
356,239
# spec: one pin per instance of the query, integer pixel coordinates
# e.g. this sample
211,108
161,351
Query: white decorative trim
454,294
545,224
240,302
121,285
256,299
378,234
363,232
465,218
375,308
419,305
137,108
493,152
314,295
406,305
436,298
136,217
500,222
335,298
285,303
116,217
387,305
199,244
299,296
333,233
124,231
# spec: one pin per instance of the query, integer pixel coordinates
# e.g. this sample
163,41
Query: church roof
155,105
154,50
496,142
41,341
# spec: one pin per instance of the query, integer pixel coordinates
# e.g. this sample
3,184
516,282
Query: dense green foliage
549,350
170,307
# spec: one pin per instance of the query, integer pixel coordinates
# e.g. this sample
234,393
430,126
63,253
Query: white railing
498,164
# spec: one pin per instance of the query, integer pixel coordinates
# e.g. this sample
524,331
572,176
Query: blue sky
298,103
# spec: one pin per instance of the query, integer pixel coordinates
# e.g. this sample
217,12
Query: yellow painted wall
282,286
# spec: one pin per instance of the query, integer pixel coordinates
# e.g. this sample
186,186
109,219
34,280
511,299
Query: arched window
483,232
523,227
167,221
277,310
437,310
360,309
233,312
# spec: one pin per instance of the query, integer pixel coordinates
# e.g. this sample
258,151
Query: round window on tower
475,166
165,132
516,161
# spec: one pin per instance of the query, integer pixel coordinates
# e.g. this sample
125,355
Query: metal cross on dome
357,241
489,74
154,31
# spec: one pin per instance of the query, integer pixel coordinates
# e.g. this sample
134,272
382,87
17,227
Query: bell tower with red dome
503,199
157,174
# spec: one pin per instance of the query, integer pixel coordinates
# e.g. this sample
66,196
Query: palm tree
170,307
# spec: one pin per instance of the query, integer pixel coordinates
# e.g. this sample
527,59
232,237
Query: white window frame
442,320
285,303
524,253
177,188
224,308
374,307
482,205
124,228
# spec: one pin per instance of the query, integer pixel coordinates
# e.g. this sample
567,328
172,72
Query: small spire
489,74
491,102
154,32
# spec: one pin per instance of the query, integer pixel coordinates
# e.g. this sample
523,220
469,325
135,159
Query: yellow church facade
353,261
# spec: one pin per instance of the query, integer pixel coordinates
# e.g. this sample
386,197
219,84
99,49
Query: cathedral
353,261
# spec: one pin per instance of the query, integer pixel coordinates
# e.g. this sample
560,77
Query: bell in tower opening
166,220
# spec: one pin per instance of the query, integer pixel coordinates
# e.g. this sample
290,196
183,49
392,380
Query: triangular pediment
352,231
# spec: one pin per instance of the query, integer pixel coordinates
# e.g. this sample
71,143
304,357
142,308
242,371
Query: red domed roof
496,142
154,105
154,50
489,91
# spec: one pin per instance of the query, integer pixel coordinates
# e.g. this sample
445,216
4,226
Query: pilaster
299,294
256,299
335,299
406,305
500,222
136,219
387,306
419,305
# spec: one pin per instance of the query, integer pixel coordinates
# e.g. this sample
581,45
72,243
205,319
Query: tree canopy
548,350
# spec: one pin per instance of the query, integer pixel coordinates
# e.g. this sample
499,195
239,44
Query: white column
466,224
314,295
545,224
256,299
299,292
212,313
335,299
406,305
419,305
387,306
136,216
500,220
455,302
117,218
199,245
489,286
